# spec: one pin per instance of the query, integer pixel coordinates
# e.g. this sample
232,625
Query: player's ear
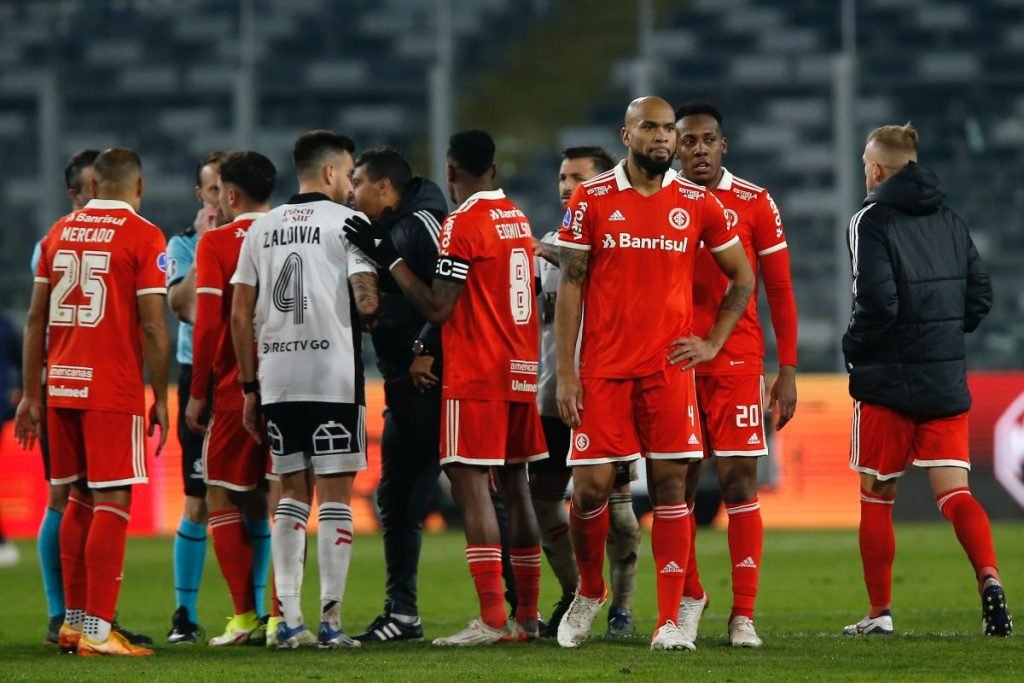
94,187
140,187
725,145
624,136
493,172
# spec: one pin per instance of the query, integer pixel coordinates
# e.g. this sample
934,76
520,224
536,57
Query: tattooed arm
366,297
547,251
435,301
575,264
733,262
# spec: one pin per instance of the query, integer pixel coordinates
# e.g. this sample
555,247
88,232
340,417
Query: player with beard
628,247
549,478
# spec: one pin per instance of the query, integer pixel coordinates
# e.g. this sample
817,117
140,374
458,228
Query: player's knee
739,486
58,497
196,510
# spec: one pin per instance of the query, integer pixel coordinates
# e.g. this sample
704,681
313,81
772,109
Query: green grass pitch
810,587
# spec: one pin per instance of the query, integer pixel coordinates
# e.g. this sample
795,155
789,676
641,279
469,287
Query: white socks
334,543
288,548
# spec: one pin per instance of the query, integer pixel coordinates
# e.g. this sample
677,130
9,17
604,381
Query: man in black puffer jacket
412,209
918,287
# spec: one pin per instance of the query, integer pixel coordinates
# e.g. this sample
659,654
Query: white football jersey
307,332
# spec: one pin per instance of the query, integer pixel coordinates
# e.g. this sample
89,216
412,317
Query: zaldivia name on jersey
290,234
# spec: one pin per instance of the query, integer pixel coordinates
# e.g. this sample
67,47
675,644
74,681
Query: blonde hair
896,144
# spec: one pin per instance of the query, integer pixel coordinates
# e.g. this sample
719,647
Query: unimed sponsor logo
61,391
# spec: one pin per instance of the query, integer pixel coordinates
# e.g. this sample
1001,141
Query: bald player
627,251
100,288
918,287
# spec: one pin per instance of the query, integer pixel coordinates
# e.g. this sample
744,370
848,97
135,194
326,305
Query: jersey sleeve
210,279
715,230
246,272
151,266
768,234
179,260
457,250
356,260
576,232
41,265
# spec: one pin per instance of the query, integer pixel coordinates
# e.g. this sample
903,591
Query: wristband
252,387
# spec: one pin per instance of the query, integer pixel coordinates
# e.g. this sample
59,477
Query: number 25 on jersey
85,272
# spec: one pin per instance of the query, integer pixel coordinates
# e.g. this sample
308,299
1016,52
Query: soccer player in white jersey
292,280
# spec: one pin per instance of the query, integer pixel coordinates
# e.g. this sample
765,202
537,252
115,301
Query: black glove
373,239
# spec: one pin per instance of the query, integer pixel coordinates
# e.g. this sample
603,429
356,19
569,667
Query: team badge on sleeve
161,262
567,219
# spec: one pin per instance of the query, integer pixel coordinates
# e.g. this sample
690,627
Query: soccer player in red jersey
233,463
483,292
633,228
549,478
100,289
730,386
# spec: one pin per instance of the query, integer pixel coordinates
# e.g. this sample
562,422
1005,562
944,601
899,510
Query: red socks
692,587
746,539
74,532
485,566
877,548
104,559
234,555
670,541
972,529
589,533
526,569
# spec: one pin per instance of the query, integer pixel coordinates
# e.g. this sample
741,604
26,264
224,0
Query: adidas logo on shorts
747,563
693,441
617,216
753,440
671,568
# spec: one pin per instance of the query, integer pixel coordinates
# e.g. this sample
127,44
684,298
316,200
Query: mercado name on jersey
754,218
97,262
639,286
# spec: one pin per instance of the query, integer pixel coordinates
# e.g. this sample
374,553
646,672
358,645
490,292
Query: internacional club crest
678,218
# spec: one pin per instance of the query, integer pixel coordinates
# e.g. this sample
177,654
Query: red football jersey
755,219
638,293
212,350
97,262
490,341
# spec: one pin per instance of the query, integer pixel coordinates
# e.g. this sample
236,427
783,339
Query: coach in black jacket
918,287
411,209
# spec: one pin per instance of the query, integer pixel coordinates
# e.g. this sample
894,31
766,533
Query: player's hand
206,219
570,399
691,350
420,374
158,418
372,239
193,412
783,393
27,419
251,417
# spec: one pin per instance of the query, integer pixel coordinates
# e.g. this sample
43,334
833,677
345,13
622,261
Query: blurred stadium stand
160,76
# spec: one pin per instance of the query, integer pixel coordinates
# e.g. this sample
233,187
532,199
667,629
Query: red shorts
655,415
490,433
883,441
107,449
231,458
732,407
